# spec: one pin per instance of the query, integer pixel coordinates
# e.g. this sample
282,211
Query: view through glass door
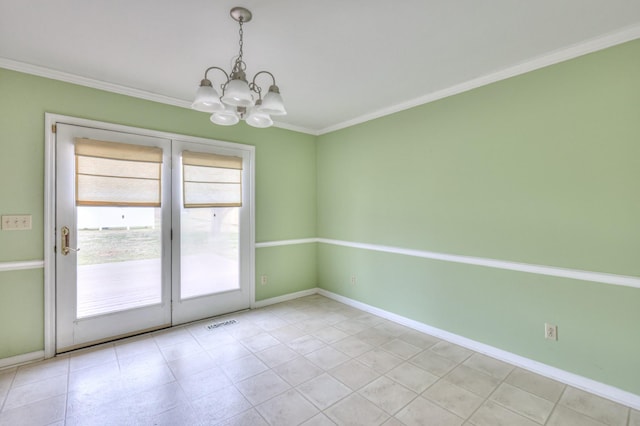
211,220
118,270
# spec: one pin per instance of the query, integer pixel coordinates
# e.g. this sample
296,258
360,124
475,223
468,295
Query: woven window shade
211,180
117,174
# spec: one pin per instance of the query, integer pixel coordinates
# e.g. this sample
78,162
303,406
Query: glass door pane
212,246
209,249
119,263
113,263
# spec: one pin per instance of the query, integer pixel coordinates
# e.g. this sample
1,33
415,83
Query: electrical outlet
16,222
263,280
550,331
354,280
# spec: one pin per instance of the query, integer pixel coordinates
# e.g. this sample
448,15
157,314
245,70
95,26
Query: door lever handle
65,241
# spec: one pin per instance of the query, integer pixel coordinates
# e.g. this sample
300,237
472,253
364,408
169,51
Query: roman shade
117,174
211,180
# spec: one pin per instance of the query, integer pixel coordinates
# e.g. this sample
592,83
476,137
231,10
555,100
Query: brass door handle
65,241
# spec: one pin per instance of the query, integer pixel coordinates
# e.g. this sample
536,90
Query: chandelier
238,100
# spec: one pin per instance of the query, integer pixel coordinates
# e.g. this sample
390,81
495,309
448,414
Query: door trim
50,199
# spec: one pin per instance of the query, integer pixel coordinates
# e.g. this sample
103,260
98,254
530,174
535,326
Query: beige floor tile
387,394
228,352
473,380
334,317
287,333
380,360
330,335
401,349
243,368
323,391
286,409
412,377
248,418
327,357
181,414
523,403
393,422
536,384
220,405
601,409
422,412
180,350
35,372
140,361
312,325
563,416
392,328
260,342
295,316
271,323
492,414
213,339
135,346
356,410
91,357
242,330
433,363
296,358
261,387
374,337
306,344
450,351
191,364
318,420
42,412
354,374
453,398
420,340
350,326
493,367
276,355
352,346
297,371
172,336
6,380
369,320
19,396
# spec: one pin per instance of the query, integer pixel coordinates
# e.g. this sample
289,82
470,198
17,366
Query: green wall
285,187
543,168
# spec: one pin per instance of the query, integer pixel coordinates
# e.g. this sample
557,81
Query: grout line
13,379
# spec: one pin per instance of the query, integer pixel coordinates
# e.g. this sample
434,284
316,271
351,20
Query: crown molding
116,88
579,49
592,45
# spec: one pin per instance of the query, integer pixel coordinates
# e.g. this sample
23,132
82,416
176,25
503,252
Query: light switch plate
20,222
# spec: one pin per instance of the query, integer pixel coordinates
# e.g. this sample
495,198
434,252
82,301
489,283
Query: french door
138,247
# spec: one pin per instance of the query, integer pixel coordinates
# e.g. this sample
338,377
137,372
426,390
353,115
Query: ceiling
337,62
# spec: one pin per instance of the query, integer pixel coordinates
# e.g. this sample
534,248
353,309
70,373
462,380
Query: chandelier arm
216,68
263,72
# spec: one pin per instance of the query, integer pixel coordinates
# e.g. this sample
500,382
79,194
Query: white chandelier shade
240,100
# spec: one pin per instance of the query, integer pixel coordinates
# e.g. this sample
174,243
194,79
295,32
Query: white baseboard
14,361
597,388
284,298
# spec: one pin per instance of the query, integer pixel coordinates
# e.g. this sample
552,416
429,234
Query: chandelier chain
241,40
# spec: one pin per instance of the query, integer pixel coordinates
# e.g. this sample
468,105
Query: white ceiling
337,62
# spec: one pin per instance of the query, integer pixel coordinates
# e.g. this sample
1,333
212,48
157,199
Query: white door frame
50,200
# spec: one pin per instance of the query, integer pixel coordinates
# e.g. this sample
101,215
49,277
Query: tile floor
311,361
